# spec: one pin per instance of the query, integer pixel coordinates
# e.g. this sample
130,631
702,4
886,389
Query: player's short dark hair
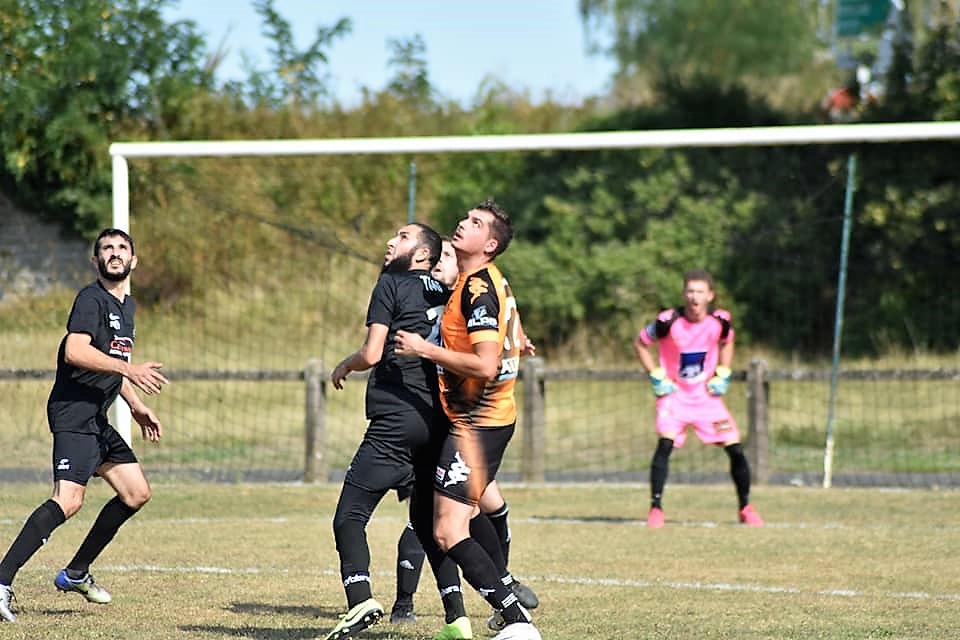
432,241
501,227
700,275
106,233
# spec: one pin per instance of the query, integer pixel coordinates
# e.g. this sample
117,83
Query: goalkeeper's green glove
662,385
720,382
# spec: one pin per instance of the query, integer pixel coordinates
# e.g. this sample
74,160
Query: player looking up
93,367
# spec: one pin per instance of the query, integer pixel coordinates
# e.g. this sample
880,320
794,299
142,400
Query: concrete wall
36,257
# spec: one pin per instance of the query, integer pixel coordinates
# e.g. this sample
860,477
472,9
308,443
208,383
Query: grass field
257,561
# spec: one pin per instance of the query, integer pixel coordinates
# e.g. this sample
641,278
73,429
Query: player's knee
138,498
69,504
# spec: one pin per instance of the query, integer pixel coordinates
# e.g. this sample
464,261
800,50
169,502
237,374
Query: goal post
122,152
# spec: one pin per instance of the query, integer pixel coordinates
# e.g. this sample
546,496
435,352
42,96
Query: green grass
258,561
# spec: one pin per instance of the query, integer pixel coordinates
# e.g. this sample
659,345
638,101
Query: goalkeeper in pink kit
695,345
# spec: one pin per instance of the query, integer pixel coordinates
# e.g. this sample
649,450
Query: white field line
610,582
589,582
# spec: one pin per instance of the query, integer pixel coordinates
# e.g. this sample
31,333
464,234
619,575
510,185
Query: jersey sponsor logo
432,285
114,321
480,319
121,347
63,464
458,471
509,368
691,364
477,287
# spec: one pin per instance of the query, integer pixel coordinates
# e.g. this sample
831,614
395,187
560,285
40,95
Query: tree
294,77
728,41
410,81
74,74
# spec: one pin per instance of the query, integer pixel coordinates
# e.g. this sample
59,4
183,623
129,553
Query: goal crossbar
664,138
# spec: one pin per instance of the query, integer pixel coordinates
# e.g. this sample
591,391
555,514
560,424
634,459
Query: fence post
315,465
534,421
758,446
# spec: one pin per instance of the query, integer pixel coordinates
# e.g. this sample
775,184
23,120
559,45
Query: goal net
258,258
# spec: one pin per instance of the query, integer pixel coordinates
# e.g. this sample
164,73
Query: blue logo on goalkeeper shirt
691,364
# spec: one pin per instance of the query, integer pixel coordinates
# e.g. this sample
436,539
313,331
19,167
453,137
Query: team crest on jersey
114,321
477,287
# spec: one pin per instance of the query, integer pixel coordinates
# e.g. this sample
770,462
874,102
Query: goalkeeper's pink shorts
708,415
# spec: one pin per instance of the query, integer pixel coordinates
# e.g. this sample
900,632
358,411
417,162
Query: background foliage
602,237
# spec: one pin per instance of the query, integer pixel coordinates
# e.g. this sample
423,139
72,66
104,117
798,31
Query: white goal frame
120,152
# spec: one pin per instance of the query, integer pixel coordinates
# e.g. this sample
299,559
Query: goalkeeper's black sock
659,468
740,472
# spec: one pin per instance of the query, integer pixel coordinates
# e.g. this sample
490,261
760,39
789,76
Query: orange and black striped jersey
481,309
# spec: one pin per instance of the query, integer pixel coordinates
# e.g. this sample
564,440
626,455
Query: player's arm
643,354
80,352
150,425
366,356
483,361
527,347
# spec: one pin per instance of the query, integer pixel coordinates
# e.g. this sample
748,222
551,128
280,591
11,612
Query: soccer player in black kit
401,406
93,367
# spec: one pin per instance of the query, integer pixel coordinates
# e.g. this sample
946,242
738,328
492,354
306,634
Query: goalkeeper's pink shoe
655,518
750,517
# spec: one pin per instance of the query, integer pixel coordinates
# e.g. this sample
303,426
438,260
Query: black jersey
80,397
412,301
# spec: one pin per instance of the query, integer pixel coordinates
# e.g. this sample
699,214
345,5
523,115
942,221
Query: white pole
121,220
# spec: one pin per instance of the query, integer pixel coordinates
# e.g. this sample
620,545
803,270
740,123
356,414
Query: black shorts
76,456
379,467
469,461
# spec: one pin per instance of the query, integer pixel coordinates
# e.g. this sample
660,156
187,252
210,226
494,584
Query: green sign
856,16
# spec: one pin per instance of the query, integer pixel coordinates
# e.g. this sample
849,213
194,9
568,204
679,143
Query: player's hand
340,372
527,348
662,385
146,376
406,343
150,425
720,382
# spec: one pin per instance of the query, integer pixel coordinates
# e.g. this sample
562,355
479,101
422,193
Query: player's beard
106,274
399,264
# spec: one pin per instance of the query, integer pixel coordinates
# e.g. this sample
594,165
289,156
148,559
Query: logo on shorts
64,464
458,472
723,425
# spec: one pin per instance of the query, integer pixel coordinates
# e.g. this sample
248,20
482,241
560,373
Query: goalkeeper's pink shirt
689,353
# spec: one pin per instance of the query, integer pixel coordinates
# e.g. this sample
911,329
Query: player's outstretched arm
80,352
366,356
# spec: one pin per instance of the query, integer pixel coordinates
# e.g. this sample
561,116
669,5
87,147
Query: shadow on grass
607,519
257,633
262,609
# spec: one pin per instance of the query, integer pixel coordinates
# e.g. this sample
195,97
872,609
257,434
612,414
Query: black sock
354,509
481,530
499,520
34,534
410,556
659,468
740,472
111,518
480,571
